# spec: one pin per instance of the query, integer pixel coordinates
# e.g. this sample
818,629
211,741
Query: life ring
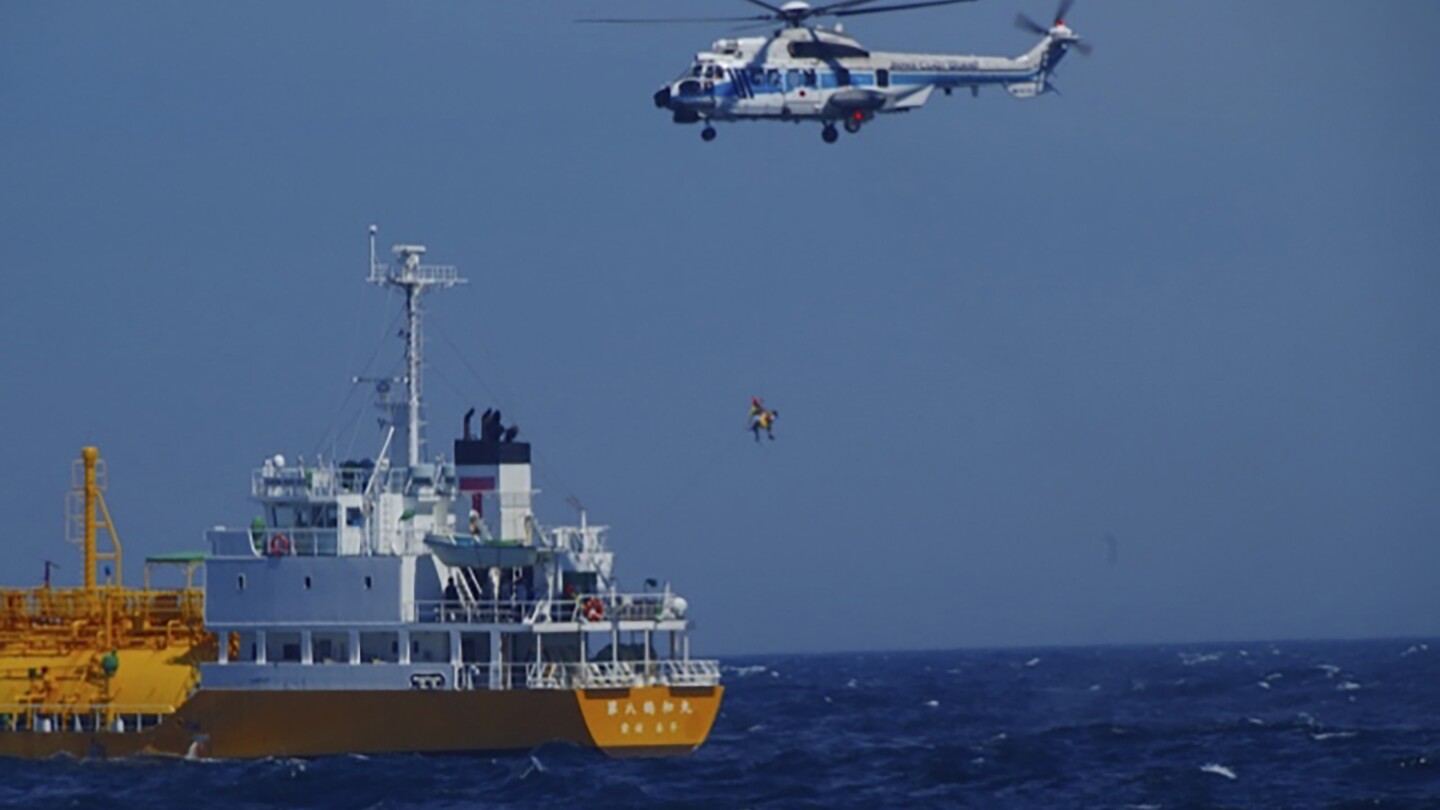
594,610
279,545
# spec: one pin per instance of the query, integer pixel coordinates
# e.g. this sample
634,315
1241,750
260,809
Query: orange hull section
246,724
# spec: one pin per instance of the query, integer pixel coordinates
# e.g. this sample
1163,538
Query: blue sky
1187,304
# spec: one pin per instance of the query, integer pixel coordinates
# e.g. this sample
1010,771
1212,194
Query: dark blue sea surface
1299,724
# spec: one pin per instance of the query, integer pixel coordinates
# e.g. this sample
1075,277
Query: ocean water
1273,725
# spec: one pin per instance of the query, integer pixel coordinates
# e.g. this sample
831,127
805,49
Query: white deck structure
376,575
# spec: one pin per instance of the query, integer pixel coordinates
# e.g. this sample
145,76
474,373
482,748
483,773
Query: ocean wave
993,739
1218,770
1195,659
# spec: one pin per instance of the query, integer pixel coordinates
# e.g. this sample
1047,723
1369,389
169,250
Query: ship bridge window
305,516
308,583
826,50
369,582
354,516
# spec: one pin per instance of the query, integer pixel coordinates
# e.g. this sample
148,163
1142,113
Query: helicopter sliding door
802,96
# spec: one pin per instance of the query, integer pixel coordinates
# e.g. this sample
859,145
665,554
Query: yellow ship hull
223,724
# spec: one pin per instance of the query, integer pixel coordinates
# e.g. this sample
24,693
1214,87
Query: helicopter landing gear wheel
829,134
852,125
708,134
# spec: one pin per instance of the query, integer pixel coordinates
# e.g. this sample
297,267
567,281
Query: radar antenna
414,278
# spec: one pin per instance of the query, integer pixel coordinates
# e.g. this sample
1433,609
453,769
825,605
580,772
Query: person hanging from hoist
762,418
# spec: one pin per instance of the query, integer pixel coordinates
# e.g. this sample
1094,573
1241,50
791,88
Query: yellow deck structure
99,656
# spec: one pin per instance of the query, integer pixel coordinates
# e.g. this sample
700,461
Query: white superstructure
428,574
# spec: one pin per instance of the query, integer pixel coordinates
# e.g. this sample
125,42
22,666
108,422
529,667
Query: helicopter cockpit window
697,70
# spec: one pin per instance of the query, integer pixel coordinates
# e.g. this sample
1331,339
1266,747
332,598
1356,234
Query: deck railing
621,674
111,718
63,618
585,609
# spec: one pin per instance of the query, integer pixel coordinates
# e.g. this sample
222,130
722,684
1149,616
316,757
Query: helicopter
803,72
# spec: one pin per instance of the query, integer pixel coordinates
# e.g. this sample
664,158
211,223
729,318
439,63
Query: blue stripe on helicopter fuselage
742,87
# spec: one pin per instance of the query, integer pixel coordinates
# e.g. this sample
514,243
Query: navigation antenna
408,274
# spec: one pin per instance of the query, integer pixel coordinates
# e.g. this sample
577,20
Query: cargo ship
409,603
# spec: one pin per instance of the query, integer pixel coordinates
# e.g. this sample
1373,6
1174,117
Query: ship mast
414,278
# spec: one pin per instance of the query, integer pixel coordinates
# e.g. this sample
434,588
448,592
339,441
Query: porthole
240,582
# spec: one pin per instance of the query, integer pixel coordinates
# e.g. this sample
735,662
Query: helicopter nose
662,98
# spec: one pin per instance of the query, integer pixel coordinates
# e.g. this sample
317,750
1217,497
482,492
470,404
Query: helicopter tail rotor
1058,29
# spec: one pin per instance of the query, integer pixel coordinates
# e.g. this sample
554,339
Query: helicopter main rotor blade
662,20
1023,22
902,7
1083,47
775,9
1063,10
829,7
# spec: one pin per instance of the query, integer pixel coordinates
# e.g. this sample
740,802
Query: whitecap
741,672
1191,659
1414,649
1255,721
1347,686
1333,735
1218,770
1094,687
1032,662
1274,676
932,703
755,729
1263,684
852,684
828,700
1330,670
